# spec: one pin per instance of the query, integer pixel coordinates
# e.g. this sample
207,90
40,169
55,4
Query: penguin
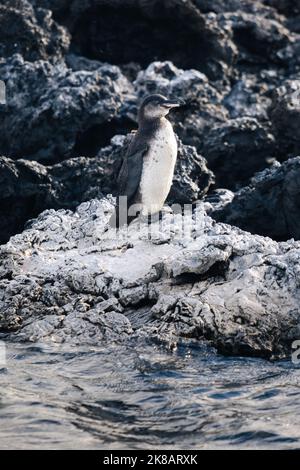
146,174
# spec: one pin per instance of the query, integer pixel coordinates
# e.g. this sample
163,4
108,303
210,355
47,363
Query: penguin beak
173,103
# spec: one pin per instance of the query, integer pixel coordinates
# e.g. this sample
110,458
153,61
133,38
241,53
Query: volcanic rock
67,279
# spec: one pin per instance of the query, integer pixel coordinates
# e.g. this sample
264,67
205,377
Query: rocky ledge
66,278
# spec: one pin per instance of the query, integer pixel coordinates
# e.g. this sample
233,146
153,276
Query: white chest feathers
158,169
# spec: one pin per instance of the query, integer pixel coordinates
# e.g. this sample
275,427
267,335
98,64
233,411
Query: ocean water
143,396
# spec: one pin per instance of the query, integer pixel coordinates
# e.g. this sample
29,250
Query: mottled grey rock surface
49,106
285,116
67,279
31,32
237,149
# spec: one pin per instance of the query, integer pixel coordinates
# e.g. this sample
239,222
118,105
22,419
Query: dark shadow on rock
124,34
238,149
269,206
121,32
89,142
285,117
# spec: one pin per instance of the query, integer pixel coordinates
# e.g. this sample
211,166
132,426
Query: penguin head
157,106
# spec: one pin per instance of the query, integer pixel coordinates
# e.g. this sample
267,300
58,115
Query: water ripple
144,396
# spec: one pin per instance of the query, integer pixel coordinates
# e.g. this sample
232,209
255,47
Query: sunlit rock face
71,277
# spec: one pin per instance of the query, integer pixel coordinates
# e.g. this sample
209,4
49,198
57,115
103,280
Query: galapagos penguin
147,170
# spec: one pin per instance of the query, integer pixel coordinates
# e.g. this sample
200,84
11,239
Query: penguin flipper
131,172
129,178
